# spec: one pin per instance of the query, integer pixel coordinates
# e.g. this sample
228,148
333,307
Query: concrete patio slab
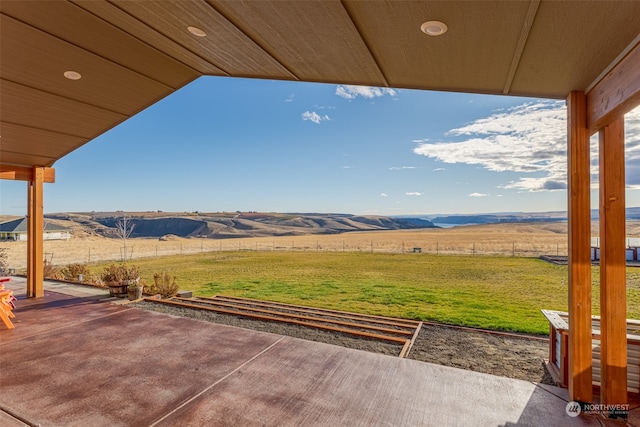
85,362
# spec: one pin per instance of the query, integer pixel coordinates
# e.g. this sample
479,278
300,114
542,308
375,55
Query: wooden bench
6,304
558,364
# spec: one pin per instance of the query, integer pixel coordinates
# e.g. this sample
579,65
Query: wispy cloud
290,98
439,169
479,195
632,147
400,168
384,195
528,139
368,92
413,193
314,117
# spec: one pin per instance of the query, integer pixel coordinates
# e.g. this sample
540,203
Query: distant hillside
493,219
632,213
230,225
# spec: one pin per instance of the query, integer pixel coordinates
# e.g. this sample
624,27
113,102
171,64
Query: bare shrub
164,284
3,261
52,271
78,272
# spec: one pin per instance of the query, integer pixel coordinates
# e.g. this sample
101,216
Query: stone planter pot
135,293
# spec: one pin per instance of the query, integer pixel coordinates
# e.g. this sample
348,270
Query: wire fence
63,253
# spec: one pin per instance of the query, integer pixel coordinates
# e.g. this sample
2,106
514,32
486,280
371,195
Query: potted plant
130,275
118,278
135,291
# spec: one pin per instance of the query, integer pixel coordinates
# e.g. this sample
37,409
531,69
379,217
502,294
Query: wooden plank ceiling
131,54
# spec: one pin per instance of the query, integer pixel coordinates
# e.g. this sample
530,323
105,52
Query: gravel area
477,351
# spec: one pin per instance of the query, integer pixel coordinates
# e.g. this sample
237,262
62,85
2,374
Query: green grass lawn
502,293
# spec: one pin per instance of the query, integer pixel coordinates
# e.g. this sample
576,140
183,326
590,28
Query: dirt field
527,239
475,351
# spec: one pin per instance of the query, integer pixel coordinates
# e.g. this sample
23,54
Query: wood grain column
35,234
579,206
613,301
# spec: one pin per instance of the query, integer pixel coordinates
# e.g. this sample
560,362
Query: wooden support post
613,305
35,234
579,206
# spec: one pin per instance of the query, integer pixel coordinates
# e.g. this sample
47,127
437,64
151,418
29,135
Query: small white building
16,230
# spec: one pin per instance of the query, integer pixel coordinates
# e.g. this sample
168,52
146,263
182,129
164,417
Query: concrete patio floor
76,359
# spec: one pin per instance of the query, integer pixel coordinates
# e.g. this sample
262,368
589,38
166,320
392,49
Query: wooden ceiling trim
367,43
141,31
221,44
616,94
25,159
522,41
20,173
79,27
37,59
249,32
482,37
289,33
27,140
30,107
569,45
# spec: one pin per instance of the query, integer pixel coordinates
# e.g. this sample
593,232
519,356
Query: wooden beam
35,234
20,173
579,206
613,280
616,94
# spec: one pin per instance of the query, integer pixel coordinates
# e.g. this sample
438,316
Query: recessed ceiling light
196,31
72,75
434,28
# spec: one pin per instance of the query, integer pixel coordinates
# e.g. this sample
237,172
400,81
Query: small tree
124,228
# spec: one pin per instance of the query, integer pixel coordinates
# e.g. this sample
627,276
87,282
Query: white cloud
528,139
352,92
439,169
290,98
314,117
479,195
383,195
413,193
399,168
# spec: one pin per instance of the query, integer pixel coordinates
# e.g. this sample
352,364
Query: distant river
441,225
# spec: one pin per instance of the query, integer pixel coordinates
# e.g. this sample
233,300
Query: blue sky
225,144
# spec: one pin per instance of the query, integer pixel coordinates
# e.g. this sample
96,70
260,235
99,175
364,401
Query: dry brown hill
229,225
